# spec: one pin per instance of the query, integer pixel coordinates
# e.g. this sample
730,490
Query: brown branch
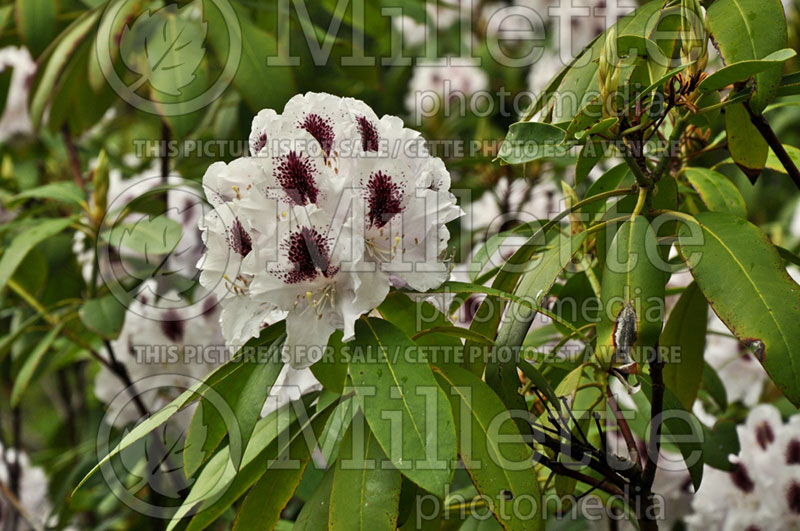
74,160
775,144
625,430
656,409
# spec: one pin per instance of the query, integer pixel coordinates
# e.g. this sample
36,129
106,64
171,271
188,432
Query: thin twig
656,408
625,429
775,144
72,153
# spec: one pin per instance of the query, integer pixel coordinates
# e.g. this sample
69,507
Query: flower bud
100,187
609,68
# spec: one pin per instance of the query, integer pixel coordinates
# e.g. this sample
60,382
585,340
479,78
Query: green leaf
62,50
388,372
31,363
748,148
314,514
746,30
263,505
453,331
208,384
743,277
682,427
366,487
776,165
632,295
64,191
280,464
716,191
245,394
590,155
262,86
25,241
219,472
492,449
332,372
148,235
685,336
104,316
742,70
720,442
36,23
529,141
713,385
164,47
535,284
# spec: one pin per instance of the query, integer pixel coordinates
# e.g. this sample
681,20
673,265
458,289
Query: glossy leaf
25,241
743,70
716,191
746,30
529,141
748,148
743,277
632,294
32,362
684,337
388,362
104,316
366,487
502,472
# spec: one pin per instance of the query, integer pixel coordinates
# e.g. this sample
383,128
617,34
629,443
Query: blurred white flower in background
32,488
443,85
335,206
15,119
762,489
160,340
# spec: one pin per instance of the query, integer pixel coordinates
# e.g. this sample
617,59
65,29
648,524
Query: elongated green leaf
529,141
64,191
158,418
712,384
535,285
245,394
502,472
31,363
148,235
716,191
384,365
744,279
219,472
314,514
453,331
36,23
632,294
746,30
57,60
748,148
775,164
104,316
742,70
366,487
331,371
263,505
685,337
281,461
25,241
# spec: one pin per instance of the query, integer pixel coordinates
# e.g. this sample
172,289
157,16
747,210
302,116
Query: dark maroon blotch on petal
741,478
321,129
384,199
172,325
260,142
793,452
309,253
764,435
793,497
369,134
238,239
295,174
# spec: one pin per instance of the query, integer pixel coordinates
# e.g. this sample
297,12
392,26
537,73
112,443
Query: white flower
762,489
443,85
32,491
160,339
336,205
15,119
542,72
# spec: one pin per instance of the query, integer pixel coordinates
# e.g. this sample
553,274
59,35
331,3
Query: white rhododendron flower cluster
165,348
334,206
32,487
443,85
761,492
